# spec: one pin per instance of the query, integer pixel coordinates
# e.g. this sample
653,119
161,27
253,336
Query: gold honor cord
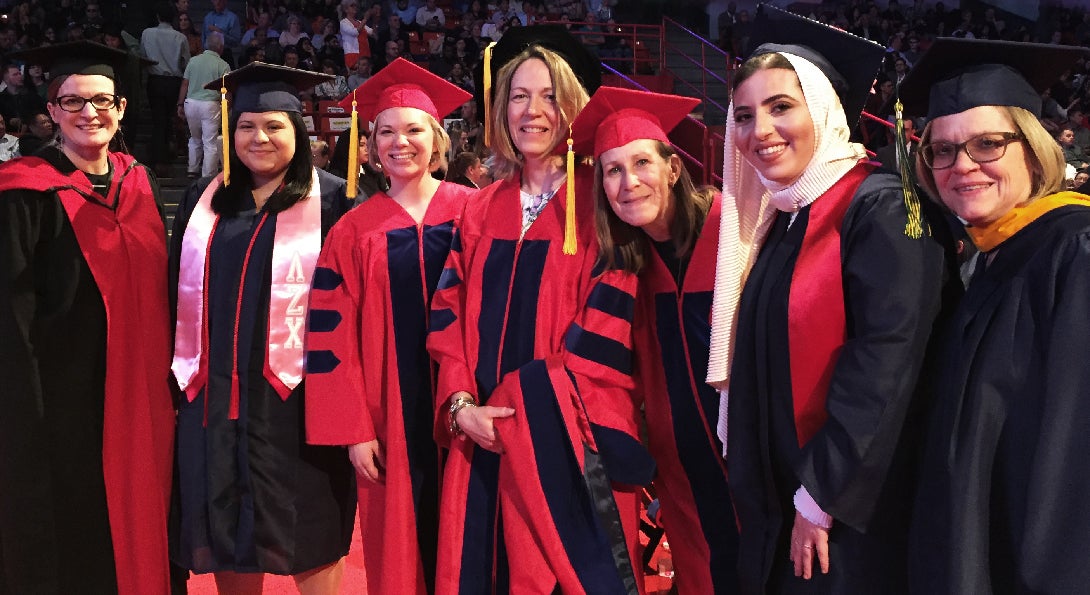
914,224
487,74
225,132
570,241
353,173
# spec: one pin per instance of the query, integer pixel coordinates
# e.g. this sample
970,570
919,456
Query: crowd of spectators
354,39
350,39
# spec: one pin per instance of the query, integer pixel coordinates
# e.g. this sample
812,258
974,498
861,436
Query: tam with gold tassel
353,171
571,241
225,132
257,88
487,99
401,84
914,225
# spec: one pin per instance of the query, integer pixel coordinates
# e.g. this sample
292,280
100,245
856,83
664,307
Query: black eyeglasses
982,148
75,103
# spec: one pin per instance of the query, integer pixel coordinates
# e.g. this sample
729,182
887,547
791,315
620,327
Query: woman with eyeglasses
88,419
1002,501
828,284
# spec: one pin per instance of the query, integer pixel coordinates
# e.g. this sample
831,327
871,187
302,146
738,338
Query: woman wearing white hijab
827,286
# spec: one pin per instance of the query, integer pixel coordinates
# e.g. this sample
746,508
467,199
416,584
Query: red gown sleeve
446,333
336,406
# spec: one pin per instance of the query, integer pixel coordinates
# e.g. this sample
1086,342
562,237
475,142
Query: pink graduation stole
296,246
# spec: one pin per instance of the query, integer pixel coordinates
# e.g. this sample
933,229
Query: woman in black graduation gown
1004,491
87,419
253,496
832,324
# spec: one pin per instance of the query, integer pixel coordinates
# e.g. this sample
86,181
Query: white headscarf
750,202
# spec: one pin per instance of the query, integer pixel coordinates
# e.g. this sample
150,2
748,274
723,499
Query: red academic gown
518,323
672,335
85,445
371,378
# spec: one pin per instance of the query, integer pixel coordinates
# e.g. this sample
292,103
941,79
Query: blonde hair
1043,156
570,99
439,151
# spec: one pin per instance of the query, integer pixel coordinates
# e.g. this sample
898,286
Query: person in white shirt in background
169,48
430,17
200,108
350,29
9,144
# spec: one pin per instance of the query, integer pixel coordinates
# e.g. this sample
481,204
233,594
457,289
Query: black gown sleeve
892,289
1044,442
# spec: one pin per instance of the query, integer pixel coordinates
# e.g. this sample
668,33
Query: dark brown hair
627,247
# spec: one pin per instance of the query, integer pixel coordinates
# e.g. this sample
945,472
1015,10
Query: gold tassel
225,132
353,172
570,242
914,225
487,98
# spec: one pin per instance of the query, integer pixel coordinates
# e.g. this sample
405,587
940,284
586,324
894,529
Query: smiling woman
772,123
253,496
385,257
653,222
518,323
1002,464
84,341
826,288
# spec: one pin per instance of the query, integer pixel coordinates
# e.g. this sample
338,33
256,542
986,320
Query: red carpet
354,577
355,582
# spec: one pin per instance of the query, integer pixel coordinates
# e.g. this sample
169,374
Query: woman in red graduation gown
253,497
653,222
534,388
371,382
832,328
87,424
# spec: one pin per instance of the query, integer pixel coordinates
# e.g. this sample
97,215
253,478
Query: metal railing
638,47
711,61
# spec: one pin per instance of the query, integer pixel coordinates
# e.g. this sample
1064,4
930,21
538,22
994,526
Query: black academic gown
856,465
254,497
1004,497
86,421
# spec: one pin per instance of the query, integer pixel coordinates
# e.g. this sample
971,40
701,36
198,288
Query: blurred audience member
361,73
430,17
200,108
221,19
466,169
294,33
17,102
170,51
40,132
185,26
9,144
331,90
319,153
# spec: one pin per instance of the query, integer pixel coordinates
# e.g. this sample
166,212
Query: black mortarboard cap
260,87
77,57
587,68
849,62
958,74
